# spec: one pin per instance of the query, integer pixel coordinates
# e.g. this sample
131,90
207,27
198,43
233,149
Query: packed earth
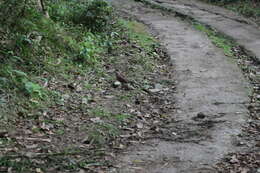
170,86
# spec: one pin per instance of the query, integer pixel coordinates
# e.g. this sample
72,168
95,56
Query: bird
120,77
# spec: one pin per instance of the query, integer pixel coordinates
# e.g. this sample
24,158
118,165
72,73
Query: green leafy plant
33,89
102,132
96,16
248,8
121,117
220,42
21,80
88,50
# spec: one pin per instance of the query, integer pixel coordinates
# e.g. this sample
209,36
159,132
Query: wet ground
211,98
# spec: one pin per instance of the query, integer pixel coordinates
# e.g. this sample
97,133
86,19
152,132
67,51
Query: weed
121,117
99,112
88,50
137,32
19,165
60,132
219,41
100,133
33,89
125,97
39,51
96,15
88,86
5,142
247,8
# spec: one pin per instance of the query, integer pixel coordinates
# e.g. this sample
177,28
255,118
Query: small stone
157,88
156,122
96,120
78,88
38,170
128,106
139,125
84,100
109,97
121,146
179,111
154,90
116,84
173,133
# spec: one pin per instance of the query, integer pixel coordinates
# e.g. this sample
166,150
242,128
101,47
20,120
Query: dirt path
243,31
211,93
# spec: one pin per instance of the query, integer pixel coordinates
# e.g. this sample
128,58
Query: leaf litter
93,120
248,160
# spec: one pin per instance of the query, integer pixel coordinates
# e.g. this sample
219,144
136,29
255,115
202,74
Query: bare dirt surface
242,30
210,98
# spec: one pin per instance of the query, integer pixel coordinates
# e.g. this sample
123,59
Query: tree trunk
42,8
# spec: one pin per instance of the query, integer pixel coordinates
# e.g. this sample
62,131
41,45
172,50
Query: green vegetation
137,33
34,49
95,15
248,8
54,69
219,40
247,63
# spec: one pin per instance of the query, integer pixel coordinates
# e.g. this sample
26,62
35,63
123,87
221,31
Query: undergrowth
35,49
247,8
51,69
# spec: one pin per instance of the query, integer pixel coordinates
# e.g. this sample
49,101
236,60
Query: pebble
116,84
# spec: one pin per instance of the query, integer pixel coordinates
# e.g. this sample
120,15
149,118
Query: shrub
96,15
89,48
